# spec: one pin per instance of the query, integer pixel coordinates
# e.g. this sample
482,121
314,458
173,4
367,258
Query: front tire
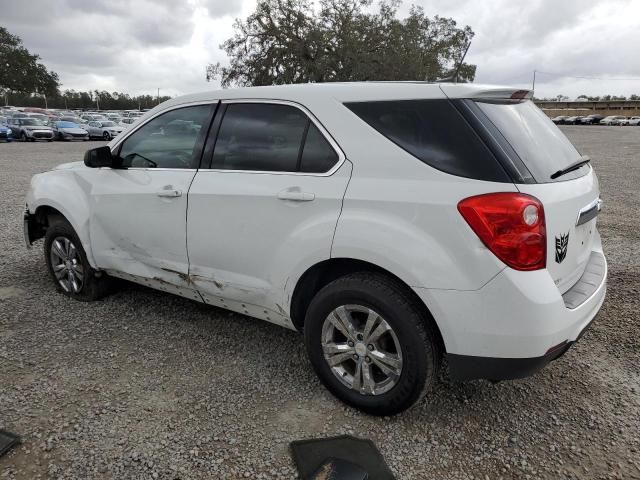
106,136
370,343
67,263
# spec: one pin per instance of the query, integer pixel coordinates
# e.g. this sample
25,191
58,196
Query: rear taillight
511,225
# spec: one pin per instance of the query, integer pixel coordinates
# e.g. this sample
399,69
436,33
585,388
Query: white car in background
105,129
614,120
635,121
394,223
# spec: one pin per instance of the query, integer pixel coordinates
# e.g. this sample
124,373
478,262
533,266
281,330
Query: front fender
66,192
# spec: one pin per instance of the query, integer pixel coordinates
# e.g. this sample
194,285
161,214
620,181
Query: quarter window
271,138
168,141
317,155
435,133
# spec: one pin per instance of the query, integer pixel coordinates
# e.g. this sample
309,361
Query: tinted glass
31,121
317,155
540,144
167,141
66,125
259,136
434,132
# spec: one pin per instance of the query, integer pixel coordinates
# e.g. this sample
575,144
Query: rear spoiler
458,90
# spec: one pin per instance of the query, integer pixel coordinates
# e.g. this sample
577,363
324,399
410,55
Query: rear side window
271,137
434,132
539,143
263,137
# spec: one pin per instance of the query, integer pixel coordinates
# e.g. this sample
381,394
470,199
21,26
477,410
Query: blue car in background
5,132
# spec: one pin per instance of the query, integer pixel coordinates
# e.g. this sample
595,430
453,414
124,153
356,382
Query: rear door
571,200
268,204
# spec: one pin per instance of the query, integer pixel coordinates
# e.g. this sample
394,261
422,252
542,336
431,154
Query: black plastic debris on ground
339,458
8,440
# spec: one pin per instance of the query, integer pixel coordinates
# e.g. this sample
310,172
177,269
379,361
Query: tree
288,41
20,71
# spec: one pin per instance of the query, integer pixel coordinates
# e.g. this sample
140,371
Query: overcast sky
139,46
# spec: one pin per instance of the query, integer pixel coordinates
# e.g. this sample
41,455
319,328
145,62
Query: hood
68,166
36,127
73,130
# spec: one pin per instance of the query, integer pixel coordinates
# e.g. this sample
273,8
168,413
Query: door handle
296,195
169,193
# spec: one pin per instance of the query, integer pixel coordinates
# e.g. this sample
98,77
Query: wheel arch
326,271
59,193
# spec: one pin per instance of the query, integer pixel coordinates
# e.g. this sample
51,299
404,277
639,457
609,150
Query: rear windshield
539,143
434,132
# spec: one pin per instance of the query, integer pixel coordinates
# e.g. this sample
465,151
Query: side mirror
99,157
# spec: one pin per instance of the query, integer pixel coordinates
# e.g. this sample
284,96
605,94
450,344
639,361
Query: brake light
511,225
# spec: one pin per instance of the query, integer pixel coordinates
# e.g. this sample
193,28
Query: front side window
167,141
271,138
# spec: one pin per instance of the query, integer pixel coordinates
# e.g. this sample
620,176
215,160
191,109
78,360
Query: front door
268,205
138,220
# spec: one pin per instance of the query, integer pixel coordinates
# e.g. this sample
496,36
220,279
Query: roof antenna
454,76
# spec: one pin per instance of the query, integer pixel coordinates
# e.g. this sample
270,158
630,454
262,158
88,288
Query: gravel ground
145,385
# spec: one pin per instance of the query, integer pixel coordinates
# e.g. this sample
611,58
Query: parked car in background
6,134
613,120
104,129
572,120
127,122
593,119
395,224
73,119
559,120
30,129
93,117
635,121
69,131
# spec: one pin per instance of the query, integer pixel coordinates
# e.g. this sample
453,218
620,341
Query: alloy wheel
361,349
66,264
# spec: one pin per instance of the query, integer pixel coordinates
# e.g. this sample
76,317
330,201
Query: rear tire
381,375
68,265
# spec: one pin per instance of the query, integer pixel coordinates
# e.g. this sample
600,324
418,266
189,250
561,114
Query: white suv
395,224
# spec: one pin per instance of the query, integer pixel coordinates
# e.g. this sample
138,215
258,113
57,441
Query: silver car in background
104,129
30,129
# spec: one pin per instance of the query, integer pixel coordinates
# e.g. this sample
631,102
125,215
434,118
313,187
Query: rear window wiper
574,166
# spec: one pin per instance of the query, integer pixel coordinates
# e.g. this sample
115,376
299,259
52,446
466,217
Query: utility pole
533,85
45,102
98,102
158,97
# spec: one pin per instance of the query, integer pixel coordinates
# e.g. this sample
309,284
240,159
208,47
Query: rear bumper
466,367
516,323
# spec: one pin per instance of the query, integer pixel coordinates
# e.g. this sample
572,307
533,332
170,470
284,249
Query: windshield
66,125
539,143
108,124
31,121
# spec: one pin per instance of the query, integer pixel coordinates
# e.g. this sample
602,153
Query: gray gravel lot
145,385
